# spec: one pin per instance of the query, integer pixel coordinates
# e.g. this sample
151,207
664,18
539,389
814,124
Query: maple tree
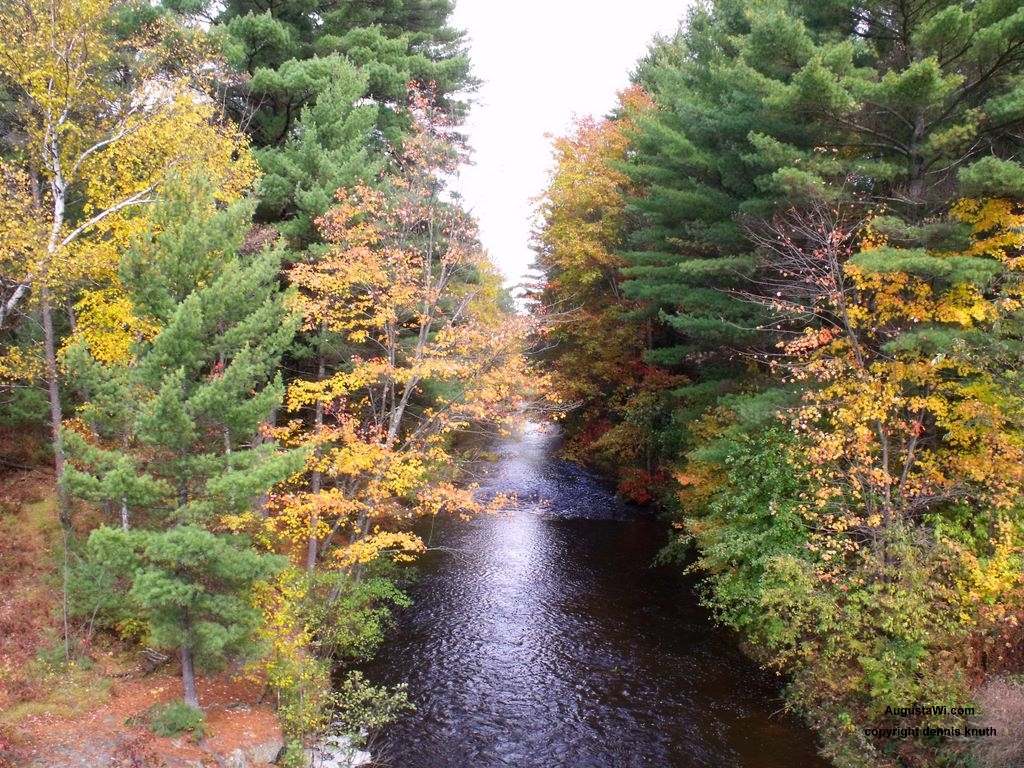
902,408
404,290
412,345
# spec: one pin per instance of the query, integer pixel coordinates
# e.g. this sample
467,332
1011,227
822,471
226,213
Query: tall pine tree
892,107
322,88
170,441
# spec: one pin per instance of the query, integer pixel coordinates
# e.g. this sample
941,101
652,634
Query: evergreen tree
328,149
324,89
171,438
194,587
182,417
392,43
896,107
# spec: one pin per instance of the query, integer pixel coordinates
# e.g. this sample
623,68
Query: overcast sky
542,62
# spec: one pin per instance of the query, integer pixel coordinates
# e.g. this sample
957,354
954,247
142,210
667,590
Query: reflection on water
542,637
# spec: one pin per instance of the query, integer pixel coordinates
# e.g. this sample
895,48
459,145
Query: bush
294,755
885,625
314,622
363,706
175,718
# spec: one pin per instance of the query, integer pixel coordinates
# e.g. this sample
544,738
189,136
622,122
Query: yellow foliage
432,353
893,434
401,545
18,364
998,228
54,51
179,137
22,231
103,131
289,666
107,323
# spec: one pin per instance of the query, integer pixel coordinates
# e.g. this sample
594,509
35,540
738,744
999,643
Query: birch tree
98,126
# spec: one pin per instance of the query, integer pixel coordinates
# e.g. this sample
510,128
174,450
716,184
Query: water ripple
546,639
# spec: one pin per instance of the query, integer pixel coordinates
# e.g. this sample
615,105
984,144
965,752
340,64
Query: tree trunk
188,678
260,504
316,480
53,392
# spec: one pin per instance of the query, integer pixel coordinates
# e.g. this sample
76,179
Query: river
542,637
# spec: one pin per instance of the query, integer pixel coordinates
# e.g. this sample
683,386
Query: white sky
542,62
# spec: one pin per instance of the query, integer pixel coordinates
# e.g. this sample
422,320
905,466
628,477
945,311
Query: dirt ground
105,736
90,715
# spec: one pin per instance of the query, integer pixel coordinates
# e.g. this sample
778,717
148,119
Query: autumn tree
101,117
823,229
885,503
405,289
592,336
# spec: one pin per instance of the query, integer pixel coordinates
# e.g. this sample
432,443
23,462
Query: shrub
175,718
312,622
363,706
294,755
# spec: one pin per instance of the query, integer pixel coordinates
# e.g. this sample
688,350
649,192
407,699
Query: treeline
783,286
251,320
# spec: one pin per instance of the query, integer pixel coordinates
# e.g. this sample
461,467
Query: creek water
543,637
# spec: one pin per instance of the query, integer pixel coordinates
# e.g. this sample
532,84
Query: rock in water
337,751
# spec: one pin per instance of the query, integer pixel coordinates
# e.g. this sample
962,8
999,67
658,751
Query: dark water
543,638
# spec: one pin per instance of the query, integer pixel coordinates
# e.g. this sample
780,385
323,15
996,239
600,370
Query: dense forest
246,321
783,287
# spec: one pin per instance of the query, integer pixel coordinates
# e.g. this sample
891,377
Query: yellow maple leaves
894,432
404,289
402,546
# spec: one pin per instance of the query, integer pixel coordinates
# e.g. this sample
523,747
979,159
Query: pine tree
194,587
171,440
894,107
283,47
324,87
329,148
186,411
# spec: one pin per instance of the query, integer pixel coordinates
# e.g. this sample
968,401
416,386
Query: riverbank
106,725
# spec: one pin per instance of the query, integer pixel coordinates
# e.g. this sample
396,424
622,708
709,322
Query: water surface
543,637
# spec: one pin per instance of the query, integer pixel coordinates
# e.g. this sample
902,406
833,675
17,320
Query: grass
33,673
175,718
68,692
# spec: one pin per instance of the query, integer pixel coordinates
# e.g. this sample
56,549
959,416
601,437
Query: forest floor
90,714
